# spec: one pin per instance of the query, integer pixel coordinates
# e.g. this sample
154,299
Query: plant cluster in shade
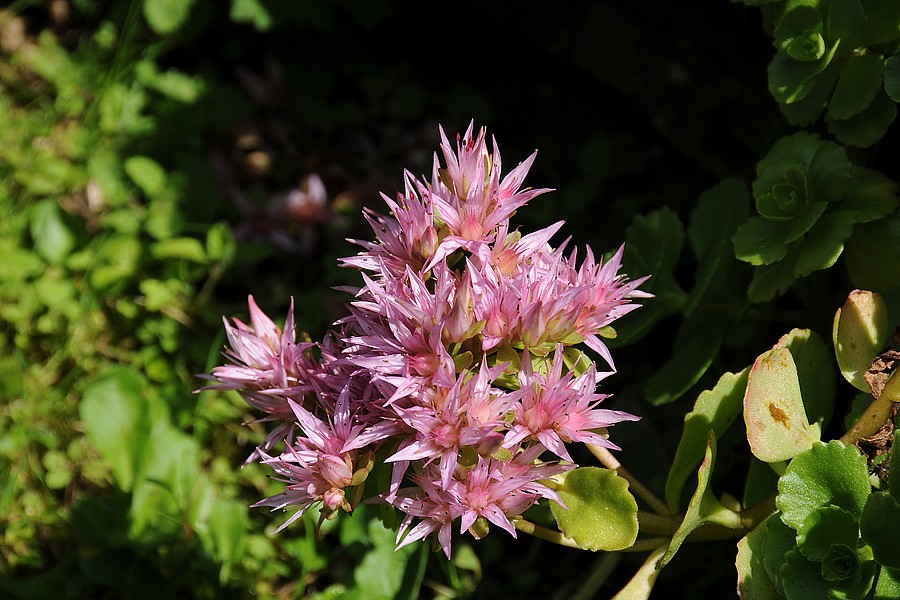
457,370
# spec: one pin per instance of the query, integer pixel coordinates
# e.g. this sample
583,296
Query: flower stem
611,462
543,533
874,417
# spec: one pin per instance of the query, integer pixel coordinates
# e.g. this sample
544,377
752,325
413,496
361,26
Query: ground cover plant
458,381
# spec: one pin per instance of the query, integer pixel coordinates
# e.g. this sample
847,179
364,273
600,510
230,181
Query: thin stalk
611,462
666,525
874,417
544,533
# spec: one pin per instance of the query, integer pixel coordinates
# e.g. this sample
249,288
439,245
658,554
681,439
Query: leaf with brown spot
861,330
777,427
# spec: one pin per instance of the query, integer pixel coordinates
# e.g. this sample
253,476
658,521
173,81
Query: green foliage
142,147
598,511
809,197
830,60
861,329
832,537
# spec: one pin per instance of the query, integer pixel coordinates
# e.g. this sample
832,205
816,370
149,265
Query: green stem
544,533
611,462
874,417
666,525
551,535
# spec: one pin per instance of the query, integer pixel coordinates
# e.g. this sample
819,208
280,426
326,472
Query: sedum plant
456,382
457,389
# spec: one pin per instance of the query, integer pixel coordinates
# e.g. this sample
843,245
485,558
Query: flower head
454,362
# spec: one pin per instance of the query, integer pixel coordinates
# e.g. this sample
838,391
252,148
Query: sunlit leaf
146,174
52,239
251,11
815,372
861,329
641,583
824,244
888,585
115,415
167,16
703,507
753,582
826,474
777,426
714,411
600,513
181,247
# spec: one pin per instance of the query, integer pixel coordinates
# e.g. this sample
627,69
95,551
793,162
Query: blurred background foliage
155,159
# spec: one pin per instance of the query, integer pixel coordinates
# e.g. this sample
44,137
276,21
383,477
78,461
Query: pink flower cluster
458,367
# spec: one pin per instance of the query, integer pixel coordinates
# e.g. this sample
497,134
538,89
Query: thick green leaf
714,411
52,239
792,80
760,241
815,371
845,21
824,244
884,21
857,85
653,246
147,174
714,264
380,574
753,582
879,525
251,11
703,507
641,583
892,76
777,426
761,483
826,474
829,172
115,416
824,527
799,33
228,529
220,243
888,585
807,111
166,16
861,329
694,350
718,213
872,255
182,247
600,513
868,127
802,578
772,280
780,539
870,196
